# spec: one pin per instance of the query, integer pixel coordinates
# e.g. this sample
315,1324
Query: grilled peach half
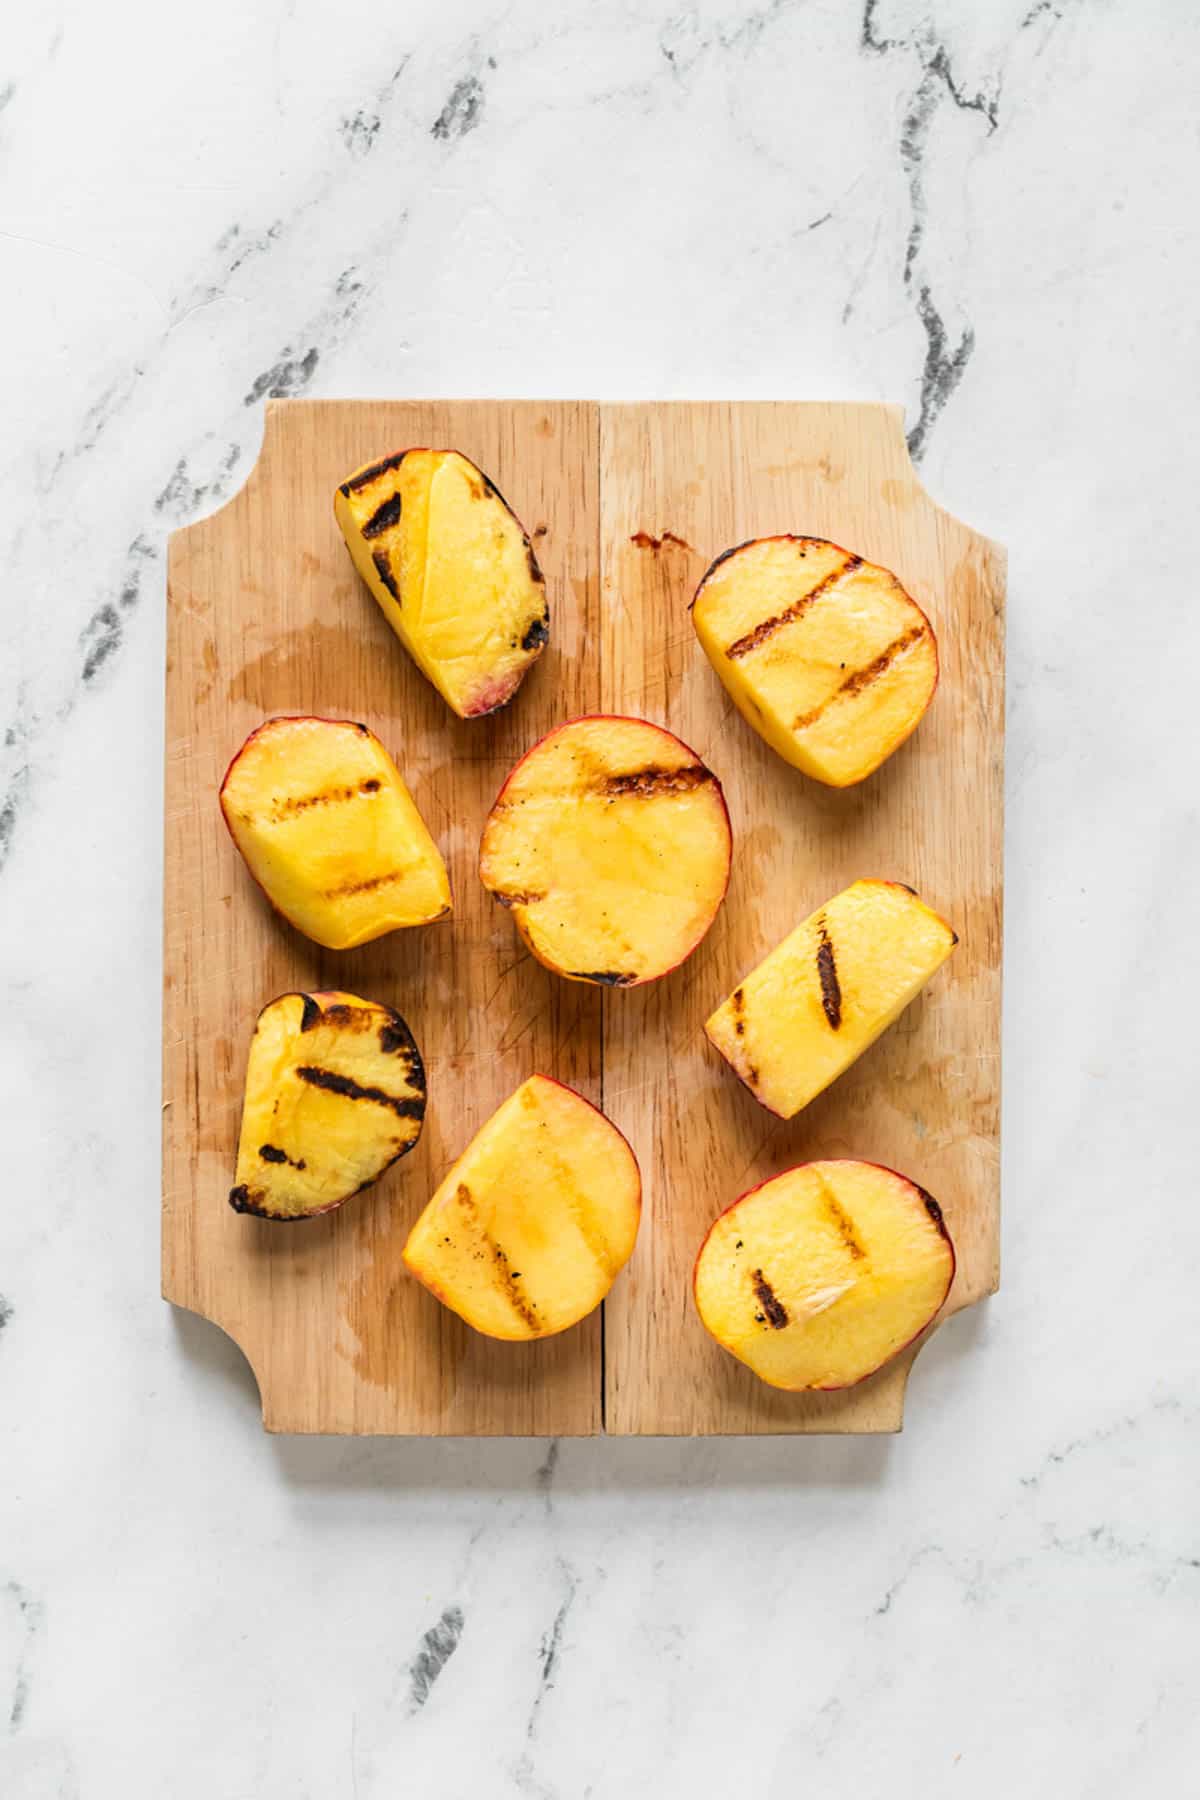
610,845
824,654
335,1093
828,991
330,832
531,1226
453,571
819,1277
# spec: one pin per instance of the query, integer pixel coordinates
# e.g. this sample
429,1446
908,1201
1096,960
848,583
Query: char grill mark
297,803
367,886
535,573
774,1311
383,518
366,476
395,1039
654,780
506,1279
768,627
383,569
862,678
273,1154
831,987
605,977
517,897
403,1105
510,1284
537,632
935,1212
845,1226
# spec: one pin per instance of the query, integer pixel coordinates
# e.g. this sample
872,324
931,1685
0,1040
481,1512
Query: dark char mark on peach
844,1226
311,1015
655,780
535,573
537,633
934,1211
767,627
774,1311
858,679
273,1154
395,1039
383,518
366,476
605,977
383,569
404,1106
831,987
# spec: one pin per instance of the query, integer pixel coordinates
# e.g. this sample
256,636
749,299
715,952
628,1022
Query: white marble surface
987,210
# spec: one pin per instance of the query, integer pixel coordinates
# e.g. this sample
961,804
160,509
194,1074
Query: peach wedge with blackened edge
453,571
825,655
335,1093
828,991
330,832
610,845
819,1277
535,1220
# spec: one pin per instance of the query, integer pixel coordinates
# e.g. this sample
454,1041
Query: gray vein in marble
181,497
29,1612
914,1563
360,129
17,741
551,1647
292,373
549,1657
463,108
104,632
682,42
433,1653
6,1312
544,1475
944,363
1166,1403
96,421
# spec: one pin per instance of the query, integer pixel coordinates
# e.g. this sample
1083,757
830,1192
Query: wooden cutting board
627,506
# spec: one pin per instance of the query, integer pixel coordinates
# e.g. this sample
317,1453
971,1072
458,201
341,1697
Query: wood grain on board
266,615
679,484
